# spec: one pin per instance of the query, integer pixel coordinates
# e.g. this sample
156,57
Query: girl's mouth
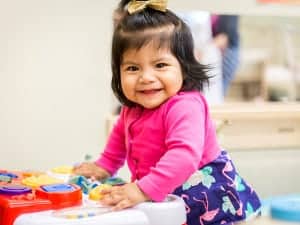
150,91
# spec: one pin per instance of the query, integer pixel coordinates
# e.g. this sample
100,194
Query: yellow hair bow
136,6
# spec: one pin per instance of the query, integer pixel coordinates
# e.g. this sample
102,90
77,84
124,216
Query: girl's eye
132,68
161,65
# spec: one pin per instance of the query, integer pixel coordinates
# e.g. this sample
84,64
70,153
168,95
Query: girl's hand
125,196
89,169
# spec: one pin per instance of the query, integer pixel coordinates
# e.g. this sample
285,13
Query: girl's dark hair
164,29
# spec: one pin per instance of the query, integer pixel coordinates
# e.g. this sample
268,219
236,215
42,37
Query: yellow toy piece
95,193
63,169
36,181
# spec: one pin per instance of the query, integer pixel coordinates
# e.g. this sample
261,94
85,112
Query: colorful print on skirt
216,194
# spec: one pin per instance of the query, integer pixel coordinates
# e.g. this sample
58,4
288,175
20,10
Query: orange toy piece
61,195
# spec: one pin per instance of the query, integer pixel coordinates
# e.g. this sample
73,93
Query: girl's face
150,75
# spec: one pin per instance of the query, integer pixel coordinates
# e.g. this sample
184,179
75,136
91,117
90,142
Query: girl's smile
150,75
150,91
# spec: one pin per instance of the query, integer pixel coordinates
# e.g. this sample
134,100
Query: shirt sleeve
185,133
114,153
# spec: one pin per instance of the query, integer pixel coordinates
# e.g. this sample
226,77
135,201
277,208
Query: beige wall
54,81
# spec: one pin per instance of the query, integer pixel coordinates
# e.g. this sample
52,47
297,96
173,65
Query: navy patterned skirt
216,194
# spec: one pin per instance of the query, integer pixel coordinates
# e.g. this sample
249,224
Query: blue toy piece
86,184
58,187
7,177
12,175
113,181
286,208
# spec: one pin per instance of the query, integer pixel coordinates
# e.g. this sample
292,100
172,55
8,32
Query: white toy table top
169,212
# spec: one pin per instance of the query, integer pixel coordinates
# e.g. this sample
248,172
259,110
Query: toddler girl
164,131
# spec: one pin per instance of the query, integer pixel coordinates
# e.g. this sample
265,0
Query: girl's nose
147,76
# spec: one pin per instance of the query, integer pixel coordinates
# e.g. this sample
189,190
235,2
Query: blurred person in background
206,52
225,30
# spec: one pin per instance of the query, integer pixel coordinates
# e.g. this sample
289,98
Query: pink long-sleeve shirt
163,146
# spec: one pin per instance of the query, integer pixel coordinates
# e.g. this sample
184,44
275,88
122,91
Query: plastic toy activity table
67,204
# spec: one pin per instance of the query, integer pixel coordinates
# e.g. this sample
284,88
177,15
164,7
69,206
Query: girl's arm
114,153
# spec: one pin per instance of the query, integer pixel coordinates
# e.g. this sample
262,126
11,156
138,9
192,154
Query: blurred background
56,105
270,60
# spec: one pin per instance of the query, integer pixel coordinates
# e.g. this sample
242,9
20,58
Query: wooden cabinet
258,125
